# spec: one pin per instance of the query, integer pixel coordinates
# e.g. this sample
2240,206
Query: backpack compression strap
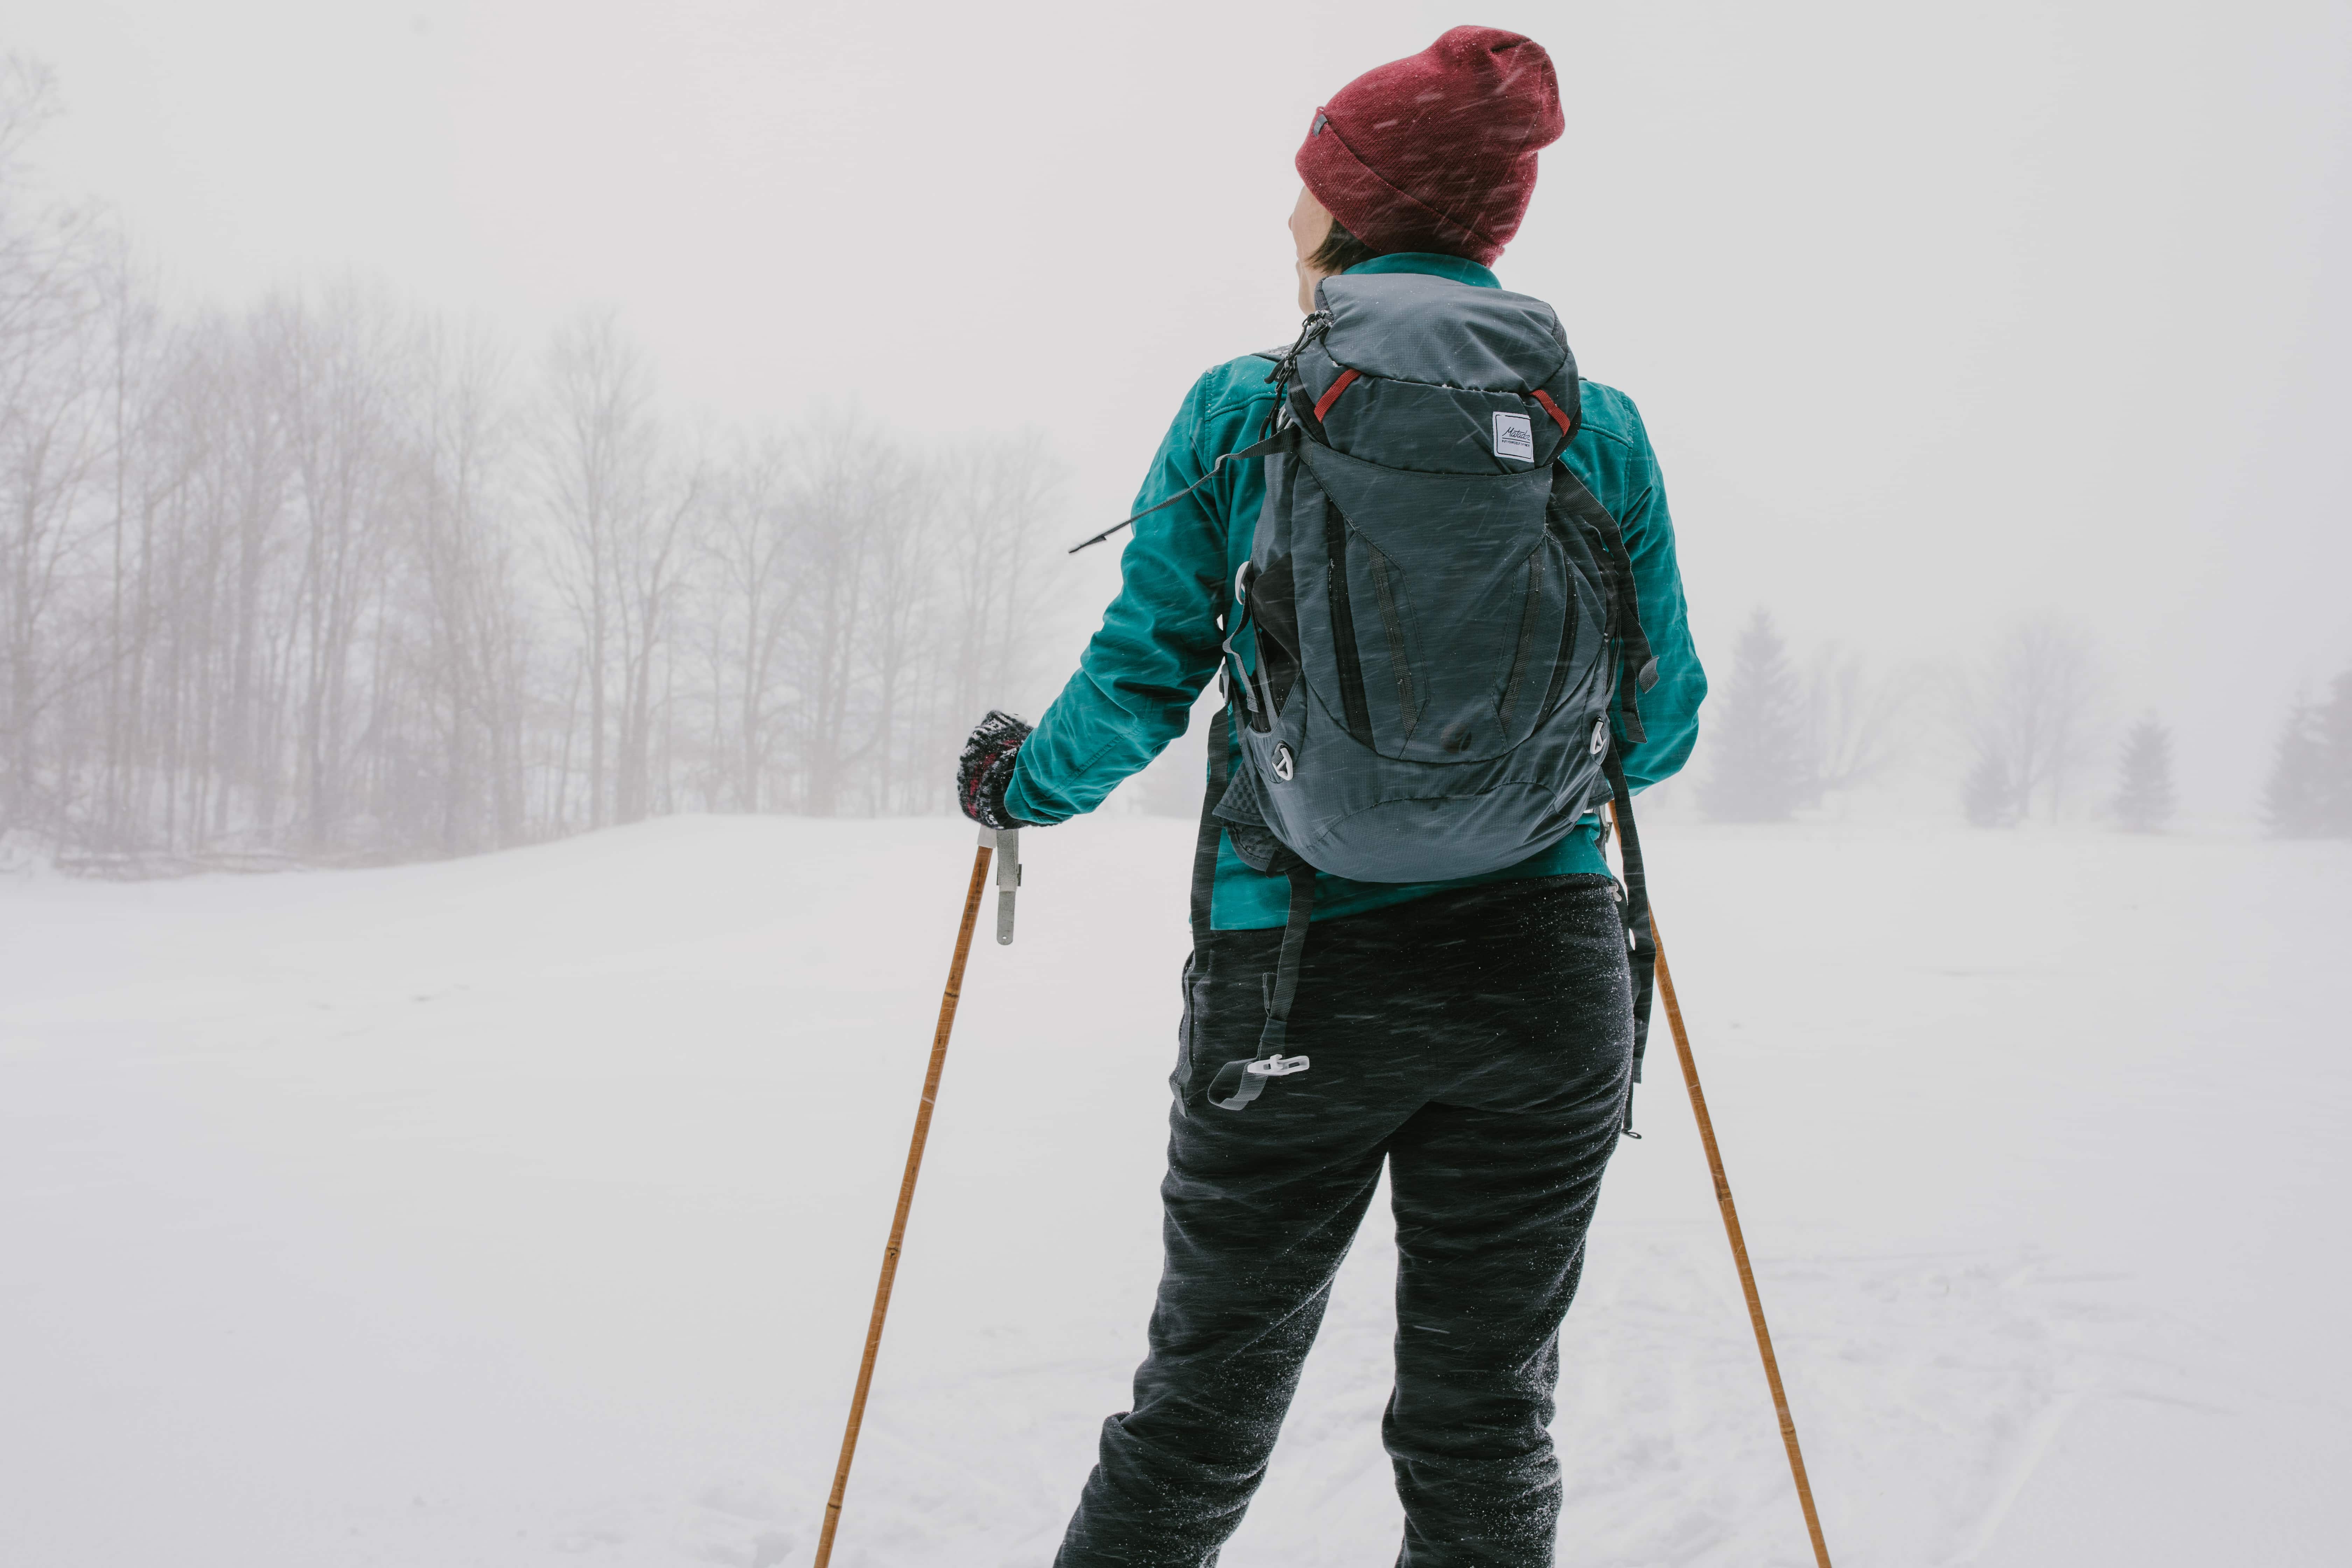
1569,427
1323,404
1212,832
1239,1082
1639,938
1236,1084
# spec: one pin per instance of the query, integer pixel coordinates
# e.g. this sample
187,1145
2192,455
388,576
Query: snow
526,1209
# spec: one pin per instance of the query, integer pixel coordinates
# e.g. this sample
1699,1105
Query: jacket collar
1432,263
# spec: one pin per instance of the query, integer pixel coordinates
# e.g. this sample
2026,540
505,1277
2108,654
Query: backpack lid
1414,326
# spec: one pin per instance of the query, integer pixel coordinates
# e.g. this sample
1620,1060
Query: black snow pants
1479,1043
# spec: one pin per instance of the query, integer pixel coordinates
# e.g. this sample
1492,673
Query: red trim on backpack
1323,404
1553,410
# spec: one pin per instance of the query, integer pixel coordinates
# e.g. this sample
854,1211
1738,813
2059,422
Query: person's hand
985,770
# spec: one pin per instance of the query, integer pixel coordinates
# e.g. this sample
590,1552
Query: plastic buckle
1277,1066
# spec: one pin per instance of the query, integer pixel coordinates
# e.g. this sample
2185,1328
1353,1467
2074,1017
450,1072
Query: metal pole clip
1008,878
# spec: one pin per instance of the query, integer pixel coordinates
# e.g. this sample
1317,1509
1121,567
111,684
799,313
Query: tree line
330,577
2026,723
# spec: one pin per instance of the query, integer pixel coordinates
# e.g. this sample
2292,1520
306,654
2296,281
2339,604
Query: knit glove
984,771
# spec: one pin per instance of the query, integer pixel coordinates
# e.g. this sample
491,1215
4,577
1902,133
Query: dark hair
1340,251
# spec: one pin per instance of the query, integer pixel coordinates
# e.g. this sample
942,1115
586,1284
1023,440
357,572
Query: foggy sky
1935,314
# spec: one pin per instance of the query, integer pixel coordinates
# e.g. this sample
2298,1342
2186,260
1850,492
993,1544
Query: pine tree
1763,766
2292,805
2333,789
2144,802
1990,795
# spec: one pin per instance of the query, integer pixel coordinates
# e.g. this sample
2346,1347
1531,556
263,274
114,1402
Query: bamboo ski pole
1738,1243
1008,879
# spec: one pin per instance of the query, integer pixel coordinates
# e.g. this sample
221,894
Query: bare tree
652,548
598,448
2029,717
839,464
348,364
1001,496
476,642
1859,719
756,516
316,577
53,445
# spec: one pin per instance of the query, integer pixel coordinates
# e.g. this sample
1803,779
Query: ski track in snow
526,1209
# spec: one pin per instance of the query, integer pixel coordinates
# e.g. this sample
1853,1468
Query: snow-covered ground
526,1209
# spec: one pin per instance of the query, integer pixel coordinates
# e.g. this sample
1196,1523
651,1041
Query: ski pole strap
1239,1082
1639,938
1279,439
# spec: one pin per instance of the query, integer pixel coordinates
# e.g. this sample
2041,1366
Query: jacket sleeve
1158,645
1669,709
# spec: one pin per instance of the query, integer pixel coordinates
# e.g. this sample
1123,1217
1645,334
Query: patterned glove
985,770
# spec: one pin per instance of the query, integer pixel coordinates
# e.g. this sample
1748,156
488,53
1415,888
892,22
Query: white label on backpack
1515,438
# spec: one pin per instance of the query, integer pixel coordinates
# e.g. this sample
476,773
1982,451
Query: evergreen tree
1763,765
2292,805
1991,794
2144,802
2333,791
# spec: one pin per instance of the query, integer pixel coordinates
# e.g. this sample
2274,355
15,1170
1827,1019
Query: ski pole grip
1008,879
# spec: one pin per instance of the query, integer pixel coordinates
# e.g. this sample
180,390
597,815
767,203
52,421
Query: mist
555,485
1939,319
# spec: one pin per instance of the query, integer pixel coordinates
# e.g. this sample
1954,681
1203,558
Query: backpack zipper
1568,624
1358,712
1527,610
1394,625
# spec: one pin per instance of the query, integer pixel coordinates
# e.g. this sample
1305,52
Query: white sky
1937,313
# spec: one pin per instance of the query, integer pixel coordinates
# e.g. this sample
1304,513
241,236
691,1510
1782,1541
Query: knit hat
1437,150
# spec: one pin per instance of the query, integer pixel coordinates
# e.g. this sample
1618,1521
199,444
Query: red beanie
1437,150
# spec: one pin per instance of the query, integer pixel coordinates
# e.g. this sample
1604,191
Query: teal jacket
1158,647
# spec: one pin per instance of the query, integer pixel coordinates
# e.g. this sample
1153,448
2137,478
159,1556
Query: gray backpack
1442,612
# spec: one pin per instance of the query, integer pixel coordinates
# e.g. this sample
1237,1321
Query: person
1474,1038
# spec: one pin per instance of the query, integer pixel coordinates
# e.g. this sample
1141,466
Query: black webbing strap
1282,983
1639,938
1258,449
1641,662
1212,832
1235,1086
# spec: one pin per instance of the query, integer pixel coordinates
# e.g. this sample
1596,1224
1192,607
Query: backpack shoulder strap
1643,947
1571,496
1204,850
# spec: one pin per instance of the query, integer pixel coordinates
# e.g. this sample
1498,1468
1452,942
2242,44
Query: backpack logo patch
1514,436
